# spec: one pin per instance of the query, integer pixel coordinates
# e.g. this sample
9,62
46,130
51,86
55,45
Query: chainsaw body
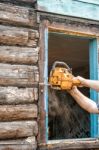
61,77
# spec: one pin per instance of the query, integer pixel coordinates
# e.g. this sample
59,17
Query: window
64,119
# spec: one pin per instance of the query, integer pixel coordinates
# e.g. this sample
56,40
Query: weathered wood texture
76,29
71,8
18,75
14,95
41,103
18,36
17,147
18,112
23,1
21,141
18,55
71,144
17,15
19,144
18,129
28,1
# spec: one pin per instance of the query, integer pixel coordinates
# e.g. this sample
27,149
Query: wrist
83,81
74,90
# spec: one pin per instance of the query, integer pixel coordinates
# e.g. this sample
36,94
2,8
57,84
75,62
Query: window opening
66,119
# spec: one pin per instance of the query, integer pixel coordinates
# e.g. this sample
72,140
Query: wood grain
18,129
19,144
17,15
18,75
18,112
18,36
18,55
15,95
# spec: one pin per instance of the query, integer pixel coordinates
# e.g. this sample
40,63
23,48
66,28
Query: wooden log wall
19,75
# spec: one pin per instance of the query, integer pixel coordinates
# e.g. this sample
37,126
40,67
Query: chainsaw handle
60,63
76,82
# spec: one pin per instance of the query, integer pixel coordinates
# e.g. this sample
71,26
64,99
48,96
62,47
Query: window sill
86,143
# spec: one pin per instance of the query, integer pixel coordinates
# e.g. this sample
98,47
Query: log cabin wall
19,75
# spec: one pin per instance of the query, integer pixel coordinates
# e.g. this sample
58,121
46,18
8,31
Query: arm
94,84
84,101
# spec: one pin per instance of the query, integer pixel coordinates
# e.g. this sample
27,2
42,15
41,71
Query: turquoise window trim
93,2
46,80
93,52
87,9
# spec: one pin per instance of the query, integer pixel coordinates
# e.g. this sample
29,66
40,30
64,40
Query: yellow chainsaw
61,77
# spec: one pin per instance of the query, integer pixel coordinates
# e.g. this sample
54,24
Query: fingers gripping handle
76,82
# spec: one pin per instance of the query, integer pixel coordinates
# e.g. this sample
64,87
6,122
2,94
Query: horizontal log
19,55
14,95
17,147
19,144
18,75
15,1
18,112
27,140
17,14
18,129
28,1
18,36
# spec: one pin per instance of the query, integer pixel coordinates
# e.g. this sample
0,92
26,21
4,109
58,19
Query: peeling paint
76,8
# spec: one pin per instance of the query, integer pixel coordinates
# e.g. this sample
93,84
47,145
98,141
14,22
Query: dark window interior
65,118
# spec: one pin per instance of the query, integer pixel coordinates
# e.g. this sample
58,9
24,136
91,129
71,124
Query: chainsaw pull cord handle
60,63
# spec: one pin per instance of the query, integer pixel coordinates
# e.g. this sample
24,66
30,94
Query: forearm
93,84
84,102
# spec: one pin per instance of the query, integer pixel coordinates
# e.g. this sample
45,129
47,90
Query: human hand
73,90
82,80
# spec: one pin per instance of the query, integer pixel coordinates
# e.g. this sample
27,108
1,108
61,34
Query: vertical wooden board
70,8
43,79
46,79
17,15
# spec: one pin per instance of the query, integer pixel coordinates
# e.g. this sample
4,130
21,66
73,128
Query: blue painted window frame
93,52
93,61
89,8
